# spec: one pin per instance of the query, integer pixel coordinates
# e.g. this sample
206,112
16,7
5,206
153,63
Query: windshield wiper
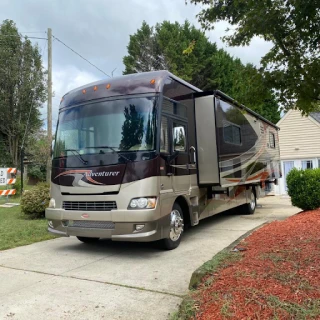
111,148
76,152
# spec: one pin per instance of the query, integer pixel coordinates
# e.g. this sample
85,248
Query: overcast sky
99,30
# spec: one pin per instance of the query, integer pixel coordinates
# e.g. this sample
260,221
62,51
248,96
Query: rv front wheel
88,240
176,228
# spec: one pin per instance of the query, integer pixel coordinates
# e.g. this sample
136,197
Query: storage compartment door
207,157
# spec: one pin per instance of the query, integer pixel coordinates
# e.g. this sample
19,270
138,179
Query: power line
33,32
80,55
12,36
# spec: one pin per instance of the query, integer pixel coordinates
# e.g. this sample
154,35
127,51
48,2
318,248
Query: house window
306,164
231,133
272,140
318,163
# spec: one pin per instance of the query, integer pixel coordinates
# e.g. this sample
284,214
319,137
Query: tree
190,55
38,153
292,66
132,128
22,88
144,53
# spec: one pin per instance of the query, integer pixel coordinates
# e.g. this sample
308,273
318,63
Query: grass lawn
17,230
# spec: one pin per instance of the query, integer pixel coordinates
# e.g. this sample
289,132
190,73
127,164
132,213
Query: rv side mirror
192,154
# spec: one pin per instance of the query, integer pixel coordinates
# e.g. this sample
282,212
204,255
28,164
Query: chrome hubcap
253,201
176,225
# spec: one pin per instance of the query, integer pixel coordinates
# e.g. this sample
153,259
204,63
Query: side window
179,137
174,107
231,133
272,141
164,136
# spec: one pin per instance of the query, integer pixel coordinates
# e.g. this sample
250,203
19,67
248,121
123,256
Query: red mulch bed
278,276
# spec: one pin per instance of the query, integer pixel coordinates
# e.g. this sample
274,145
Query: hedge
304,188
35,201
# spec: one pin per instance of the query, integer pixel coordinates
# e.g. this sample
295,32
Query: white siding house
299,139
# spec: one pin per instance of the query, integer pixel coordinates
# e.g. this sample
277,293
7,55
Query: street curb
200,272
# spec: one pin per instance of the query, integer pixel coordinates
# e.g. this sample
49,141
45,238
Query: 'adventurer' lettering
102,174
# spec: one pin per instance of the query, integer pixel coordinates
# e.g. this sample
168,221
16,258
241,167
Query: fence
7,180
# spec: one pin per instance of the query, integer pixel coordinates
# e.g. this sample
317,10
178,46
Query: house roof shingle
315,116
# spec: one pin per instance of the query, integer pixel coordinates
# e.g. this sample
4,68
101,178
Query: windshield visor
113,126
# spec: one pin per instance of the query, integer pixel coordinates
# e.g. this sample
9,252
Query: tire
176,229
88,240
250,208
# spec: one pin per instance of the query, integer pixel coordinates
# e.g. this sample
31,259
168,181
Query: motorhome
142,156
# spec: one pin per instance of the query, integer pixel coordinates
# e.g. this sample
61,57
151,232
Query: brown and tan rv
140,157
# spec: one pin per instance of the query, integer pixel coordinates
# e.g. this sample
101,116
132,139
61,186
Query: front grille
91,224
89,205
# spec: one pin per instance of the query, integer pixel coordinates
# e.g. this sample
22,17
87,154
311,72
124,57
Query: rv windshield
111,126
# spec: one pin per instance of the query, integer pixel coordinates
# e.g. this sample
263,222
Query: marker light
84,91
95,88
153,81
143,203
108,86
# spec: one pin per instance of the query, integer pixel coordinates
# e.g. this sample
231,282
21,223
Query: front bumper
122,230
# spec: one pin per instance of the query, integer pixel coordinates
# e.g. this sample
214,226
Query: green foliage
186,52
17,186
35,201
39,148
292,65
37,172
22,88
304,188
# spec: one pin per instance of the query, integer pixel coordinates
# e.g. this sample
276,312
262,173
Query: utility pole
49,116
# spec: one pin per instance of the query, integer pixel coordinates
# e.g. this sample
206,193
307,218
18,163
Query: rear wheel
250,208
88,240
176,228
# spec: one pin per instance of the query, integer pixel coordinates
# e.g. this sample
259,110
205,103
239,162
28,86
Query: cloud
100,31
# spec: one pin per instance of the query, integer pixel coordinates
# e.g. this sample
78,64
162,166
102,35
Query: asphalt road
65,279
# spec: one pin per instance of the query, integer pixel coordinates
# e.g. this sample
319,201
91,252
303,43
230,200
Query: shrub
304,188
35,201
37,172
17,186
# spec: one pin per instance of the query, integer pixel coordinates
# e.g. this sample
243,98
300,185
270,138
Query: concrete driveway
65,279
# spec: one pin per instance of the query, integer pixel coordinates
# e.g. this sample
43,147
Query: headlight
52,203
143,203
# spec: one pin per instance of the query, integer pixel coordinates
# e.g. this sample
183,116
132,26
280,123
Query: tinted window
123,125
164,136
175,108
231,133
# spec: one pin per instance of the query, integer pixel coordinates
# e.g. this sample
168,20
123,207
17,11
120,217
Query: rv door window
179,137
